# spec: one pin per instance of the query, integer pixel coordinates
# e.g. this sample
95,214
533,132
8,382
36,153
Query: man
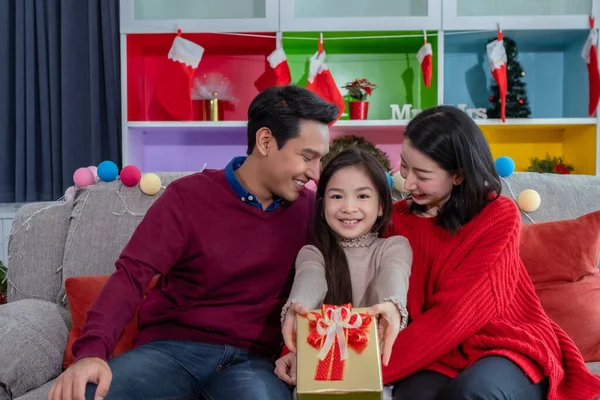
223,243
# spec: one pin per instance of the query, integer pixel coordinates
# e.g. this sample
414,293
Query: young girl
350,263
478,330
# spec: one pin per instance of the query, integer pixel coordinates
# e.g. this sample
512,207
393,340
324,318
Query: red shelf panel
241,59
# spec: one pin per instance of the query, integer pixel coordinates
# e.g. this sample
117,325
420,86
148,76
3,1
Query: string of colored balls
107,171
150,184
528,200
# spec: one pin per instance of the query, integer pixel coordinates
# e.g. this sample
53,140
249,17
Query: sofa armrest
33,336
35,251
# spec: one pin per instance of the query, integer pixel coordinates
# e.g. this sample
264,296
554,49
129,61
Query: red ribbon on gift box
333,331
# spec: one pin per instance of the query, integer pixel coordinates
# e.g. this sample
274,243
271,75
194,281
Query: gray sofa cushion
563,196
40,393
33,336
104,217
594,367
35,249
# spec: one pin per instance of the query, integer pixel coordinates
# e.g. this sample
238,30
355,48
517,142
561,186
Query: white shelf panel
350,125
537,121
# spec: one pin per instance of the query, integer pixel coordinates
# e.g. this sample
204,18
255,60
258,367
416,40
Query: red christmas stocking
424,57
173,91
590,55
321,82
497,58
278,61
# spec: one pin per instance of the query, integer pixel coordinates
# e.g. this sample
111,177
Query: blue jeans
491,377
169,369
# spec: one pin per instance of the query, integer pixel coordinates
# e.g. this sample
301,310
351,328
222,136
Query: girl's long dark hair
337,273
452,139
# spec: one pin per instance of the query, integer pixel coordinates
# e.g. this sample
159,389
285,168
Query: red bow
333,331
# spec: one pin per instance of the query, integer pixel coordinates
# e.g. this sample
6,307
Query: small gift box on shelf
338,354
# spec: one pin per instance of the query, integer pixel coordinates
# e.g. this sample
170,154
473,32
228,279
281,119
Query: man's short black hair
281,108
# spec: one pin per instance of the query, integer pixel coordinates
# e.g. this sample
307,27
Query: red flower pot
359,109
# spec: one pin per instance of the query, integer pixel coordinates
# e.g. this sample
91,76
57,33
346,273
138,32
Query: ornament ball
107,171
529,200
130,175
150,184
491,98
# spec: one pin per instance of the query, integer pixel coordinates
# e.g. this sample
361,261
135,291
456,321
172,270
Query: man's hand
388,326
289,326
70,385
285,368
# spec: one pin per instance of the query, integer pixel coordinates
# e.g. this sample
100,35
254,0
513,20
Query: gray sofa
53,241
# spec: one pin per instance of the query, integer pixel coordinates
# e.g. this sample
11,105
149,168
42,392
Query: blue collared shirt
240,191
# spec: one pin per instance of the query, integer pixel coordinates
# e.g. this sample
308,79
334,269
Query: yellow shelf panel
575,143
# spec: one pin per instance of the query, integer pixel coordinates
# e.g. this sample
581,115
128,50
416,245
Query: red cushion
82,292
562,258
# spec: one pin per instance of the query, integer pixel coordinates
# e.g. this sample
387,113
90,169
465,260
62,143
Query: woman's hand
285,368
388,326
289,325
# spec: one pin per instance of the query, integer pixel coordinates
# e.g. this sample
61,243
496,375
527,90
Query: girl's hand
285,368
388,326
289,326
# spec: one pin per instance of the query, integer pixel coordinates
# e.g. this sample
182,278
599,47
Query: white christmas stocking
497,58
321,82
424,57
590,55
278,61
173,91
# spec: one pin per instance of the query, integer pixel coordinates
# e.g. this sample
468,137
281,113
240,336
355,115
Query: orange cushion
82,292
562,258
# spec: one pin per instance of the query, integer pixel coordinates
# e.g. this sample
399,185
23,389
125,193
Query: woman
477,328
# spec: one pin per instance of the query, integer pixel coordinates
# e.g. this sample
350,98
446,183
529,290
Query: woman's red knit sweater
470,296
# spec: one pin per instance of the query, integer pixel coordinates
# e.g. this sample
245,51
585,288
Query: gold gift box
362,372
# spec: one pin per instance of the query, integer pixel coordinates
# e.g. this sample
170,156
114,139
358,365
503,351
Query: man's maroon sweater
226,269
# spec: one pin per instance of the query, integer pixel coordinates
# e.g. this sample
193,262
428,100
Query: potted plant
550,165
3,283
358,90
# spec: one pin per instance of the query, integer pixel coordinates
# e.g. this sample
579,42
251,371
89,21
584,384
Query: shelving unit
549,46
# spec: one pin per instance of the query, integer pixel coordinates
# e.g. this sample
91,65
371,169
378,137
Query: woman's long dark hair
452,139
339,285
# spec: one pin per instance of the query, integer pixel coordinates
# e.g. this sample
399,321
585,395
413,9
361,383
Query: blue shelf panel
556,75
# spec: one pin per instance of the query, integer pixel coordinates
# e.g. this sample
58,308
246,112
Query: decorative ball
492,98
390,180
94,170
130,175
70,193
397,167
520,101
108,171
505,166
150,184
311,185
83,177
529,200
398,182
523,73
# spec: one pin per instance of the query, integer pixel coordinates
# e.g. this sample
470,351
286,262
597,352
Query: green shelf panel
390,63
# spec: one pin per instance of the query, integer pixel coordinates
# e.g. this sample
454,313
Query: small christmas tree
517,105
